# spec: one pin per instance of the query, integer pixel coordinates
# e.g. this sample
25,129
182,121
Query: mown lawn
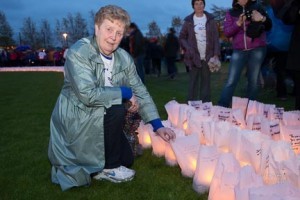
26,103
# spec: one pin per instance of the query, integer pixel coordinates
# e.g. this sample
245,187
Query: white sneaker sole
102,176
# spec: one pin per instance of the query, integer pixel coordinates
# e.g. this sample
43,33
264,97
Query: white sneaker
116,175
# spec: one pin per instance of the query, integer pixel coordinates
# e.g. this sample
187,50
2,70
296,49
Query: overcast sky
142,12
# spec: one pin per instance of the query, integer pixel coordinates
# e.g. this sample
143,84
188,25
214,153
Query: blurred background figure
290,14
137,49
157,54
199,38
171,50
246,23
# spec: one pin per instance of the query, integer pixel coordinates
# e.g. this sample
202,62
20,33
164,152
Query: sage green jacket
76,147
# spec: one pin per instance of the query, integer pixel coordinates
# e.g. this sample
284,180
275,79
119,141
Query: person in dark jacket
290,14
246,24
156,53
137,49
199,39
171,52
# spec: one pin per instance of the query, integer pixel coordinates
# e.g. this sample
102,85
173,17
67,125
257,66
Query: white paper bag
240,103
144,135
254,107
280,191
225,178
238,118
247,179
186,150
222,131
291,118
291,134
271,128
220,113
254,122
251,148
206,163
172,109
271,169
290,170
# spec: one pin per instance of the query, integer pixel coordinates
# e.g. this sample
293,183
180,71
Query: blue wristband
126,93
156,124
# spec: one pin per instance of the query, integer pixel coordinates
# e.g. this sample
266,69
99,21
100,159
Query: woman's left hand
166,134
257,16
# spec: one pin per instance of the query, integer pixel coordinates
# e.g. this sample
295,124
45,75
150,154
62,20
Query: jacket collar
94,55
189,18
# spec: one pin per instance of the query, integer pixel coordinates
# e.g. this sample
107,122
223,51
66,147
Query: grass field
26,103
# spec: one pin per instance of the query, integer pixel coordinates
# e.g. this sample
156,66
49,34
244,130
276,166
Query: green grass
26,103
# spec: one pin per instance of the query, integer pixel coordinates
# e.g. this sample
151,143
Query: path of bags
250,151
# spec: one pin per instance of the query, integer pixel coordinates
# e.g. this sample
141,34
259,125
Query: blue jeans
253,60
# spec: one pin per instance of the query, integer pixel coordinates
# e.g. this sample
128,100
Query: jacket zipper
244,27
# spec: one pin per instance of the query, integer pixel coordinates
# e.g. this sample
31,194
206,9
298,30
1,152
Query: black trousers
117,149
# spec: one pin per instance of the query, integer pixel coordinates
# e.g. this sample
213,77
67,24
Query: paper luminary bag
290,170
221,131
291,134
251,148
206,107
238,118
220,113
144,135
276,113
254,107
195,122
172,109
280,191
254,122
291,118
240,103
184,112
170,156
158,145
271,128
267,108
235,141
247,179
206,163
272,170
225,178
195,104
186,150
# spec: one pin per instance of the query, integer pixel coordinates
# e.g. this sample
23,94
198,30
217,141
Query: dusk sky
142,12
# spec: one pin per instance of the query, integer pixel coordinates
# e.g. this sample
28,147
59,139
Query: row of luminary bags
250,151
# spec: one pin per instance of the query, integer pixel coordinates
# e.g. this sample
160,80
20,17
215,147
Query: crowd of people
25,56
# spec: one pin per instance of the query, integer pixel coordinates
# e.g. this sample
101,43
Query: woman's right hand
241,20
134,105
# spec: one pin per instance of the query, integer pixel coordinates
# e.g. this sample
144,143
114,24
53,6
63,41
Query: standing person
86,126
199,38
171,52
246,23
137,49
278,44
290,14
157,54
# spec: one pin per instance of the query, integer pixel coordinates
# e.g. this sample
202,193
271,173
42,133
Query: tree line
42,35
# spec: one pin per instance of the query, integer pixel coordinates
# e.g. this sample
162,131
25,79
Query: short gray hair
112,12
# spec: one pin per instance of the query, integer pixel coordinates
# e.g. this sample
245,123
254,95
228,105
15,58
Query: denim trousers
253,60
